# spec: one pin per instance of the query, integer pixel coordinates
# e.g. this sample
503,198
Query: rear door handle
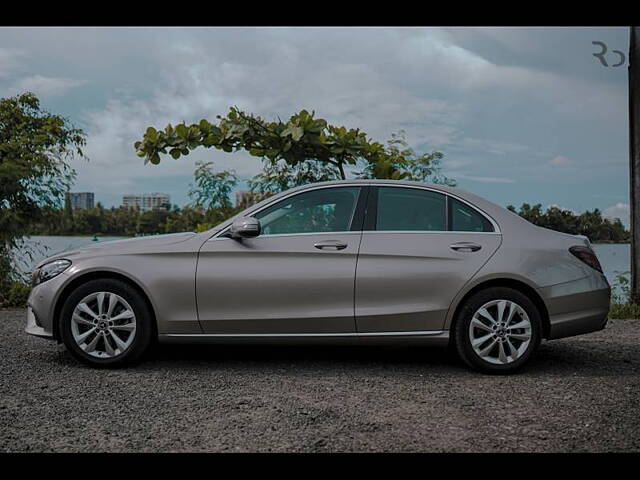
330,245
465,247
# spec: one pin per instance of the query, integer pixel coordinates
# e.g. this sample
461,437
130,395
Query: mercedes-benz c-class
350,261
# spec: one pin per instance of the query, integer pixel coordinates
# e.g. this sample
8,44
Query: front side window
466,219
410,209
316,211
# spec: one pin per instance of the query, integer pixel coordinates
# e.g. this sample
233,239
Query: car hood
128,245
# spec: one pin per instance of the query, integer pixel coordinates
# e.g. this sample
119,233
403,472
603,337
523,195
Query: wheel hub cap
500,331
103,324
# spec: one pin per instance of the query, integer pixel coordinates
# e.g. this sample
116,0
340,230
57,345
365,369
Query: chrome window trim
319,187
347,232
373,183
422,232
496,228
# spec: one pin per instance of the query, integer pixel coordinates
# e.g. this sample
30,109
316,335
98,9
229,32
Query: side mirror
245,227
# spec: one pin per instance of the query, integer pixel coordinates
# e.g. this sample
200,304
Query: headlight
49,270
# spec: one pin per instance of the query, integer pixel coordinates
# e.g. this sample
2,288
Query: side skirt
431,337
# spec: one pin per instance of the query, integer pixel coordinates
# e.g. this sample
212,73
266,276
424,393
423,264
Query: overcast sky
521,114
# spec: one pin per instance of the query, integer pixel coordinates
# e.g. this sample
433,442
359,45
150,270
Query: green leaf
151,134
181,130
297,133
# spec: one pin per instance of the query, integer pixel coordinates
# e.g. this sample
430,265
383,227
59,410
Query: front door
296,277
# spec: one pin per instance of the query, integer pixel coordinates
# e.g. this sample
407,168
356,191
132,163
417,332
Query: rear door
418,248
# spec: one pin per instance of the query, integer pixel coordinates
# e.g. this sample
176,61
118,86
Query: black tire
462,341
144,330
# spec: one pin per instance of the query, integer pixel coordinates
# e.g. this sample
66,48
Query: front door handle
465,247
330,245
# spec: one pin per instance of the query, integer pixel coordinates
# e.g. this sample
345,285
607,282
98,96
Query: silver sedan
353,261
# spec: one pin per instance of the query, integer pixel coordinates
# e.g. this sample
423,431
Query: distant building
80,200
245,198
147,201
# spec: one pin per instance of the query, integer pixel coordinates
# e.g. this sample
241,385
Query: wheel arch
513,283
98,275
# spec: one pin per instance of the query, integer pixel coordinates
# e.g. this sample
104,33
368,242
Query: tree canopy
590,223
212,190
293,145
35,150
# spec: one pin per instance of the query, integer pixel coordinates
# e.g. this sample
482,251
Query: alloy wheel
103,324
500,331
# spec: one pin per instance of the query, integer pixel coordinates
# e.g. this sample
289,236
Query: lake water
613,257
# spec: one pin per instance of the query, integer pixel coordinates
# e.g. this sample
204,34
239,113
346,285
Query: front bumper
33,328
41,302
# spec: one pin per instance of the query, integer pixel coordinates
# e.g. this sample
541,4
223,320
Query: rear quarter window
464,218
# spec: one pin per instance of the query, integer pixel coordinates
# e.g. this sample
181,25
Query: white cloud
560,207
8,61
482,179
493,147
498,102
561,161
619,210
205,81
46,86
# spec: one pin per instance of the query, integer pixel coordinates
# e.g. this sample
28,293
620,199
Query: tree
590,223
212,189
152,221
185,219
35,150
421,168
68,213
303,139
279,176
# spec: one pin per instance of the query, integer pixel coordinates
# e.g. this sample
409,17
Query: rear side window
466,219
410,209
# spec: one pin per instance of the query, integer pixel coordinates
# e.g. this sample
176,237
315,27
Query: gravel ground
577,394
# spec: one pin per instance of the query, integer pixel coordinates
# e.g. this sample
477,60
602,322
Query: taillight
586,255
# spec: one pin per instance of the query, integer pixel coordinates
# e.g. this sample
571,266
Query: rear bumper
578,323
577,307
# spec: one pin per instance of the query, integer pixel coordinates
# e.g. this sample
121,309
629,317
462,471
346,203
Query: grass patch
624,310
15,295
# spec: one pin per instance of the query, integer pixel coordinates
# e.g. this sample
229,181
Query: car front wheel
106,323
497,330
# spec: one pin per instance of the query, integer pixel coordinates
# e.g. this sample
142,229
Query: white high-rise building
147,201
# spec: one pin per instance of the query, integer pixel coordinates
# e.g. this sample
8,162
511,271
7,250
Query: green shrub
620,295
16,295
624,310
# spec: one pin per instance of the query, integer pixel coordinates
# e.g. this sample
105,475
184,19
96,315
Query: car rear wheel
497,330
106,323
